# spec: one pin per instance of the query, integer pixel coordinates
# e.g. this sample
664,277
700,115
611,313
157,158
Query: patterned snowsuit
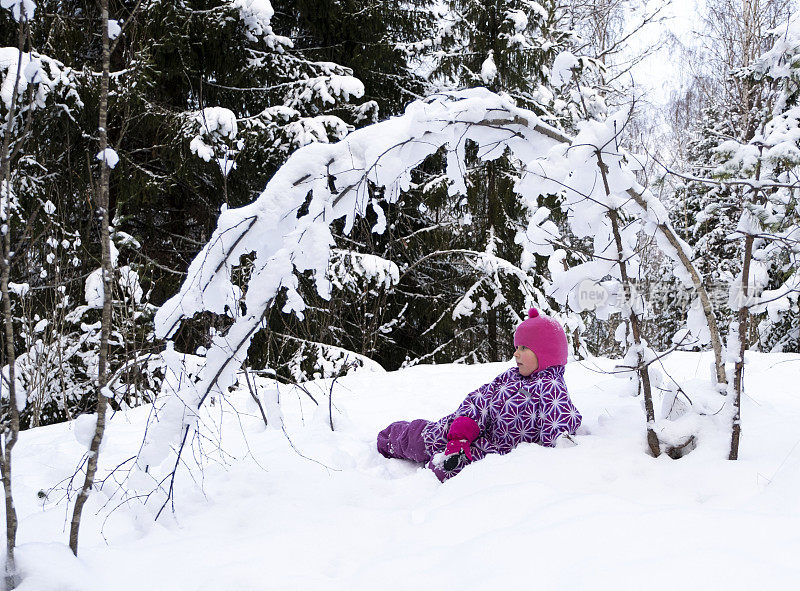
510,410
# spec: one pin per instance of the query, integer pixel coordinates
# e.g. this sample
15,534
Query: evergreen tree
206,101
379,42
508,47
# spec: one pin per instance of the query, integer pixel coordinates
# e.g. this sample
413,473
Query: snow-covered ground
602,515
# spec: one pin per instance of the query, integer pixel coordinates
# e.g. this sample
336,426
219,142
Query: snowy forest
224,220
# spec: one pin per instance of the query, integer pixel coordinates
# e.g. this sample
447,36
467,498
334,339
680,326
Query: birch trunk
491,214
102,202
10,430
743,317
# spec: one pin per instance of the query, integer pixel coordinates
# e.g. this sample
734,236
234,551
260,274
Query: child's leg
404,440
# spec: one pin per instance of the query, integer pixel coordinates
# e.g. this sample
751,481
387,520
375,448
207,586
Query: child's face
527,363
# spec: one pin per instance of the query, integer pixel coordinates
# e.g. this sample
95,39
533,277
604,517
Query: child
527,403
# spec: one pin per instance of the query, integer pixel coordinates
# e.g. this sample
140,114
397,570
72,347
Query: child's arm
440,438
475,406
556,414
465,445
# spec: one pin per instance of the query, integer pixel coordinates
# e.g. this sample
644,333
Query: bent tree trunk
702,294
672,238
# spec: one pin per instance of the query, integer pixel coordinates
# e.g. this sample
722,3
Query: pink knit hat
545,337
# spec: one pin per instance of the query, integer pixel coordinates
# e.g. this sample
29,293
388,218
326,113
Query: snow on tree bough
331,181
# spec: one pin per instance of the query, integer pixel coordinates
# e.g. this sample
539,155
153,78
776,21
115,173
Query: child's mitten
462,433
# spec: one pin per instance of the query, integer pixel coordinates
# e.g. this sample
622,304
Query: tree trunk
11,430
743,318
738,376
491,214
702,294
105,241
633,318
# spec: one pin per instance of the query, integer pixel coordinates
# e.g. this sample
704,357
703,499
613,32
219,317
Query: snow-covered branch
286,231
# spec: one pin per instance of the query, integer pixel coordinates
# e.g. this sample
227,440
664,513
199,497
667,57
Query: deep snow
602,515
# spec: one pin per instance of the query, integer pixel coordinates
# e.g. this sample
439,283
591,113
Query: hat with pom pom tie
545,337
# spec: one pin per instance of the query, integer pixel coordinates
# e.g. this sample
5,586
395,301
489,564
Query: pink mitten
462,433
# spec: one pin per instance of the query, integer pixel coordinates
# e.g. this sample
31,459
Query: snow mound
304,507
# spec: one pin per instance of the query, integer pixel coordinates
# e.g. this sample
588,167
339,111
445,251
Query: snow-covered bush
41,93
56,368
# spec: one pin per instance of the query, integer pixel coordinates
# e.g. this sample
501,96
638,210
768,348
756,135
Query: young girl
527,403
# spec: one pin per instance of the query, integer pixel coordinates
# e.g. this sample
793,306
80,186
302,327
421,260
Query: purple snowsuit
510,410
